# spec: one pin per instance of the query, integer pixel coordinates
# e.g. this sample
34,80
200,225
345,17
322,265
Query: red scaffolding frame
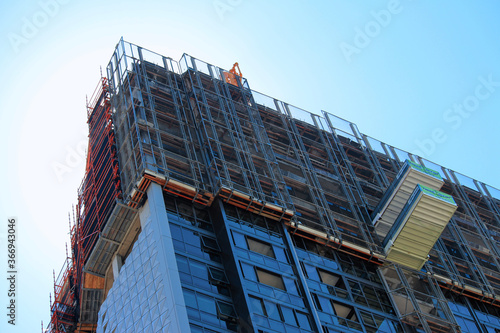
63,309
96,198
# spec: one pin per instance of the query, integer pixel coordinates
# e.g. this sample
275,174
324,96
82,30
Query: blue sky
418,75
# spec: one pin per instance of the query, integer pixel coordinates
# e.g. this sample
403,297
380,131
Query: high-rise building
209,207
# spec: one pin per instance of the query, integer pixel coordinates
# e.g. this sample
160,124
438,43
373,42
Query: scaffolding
202,134
63,308
97,196
157,138
418,300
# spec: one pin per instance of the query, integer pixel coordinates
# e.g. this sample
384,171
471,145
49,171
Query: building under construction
209,207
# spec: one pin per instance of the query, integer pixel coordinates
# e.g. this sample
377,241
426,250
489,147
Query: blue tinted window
194,250
288,315
226,310
206,304
248,272
190,237
272,310
201,283
198,269
311,272
239,240
210,243
491,329
387,326
176,231
325,304
185,278
303,320
290,285
217,275
280,254
182,264
196,329
178,245
462,309
190,298
257,306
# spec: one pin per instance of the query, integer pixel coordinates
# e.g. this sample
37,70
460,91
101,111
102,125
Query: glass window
280,254
303,320
176,231
239,239
210,244
323,303
311,272
288,316
257,306
198,269
226,311
190,237
217,276
190,298
182,264
291,287
198,329
186,278
206,303
272,310
218,279
202,283
260,247
179,245
248,272
270,279
317,304
329,330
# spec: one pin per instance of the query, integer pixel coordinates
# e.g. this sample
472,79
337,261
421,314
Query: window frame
269,273
232,317
260,242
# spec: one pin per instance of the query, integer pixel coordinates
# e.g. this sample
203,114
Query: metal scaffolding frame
97,195
200,132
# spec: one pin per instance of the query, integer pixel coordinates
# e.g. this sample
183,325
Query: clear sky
419,75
